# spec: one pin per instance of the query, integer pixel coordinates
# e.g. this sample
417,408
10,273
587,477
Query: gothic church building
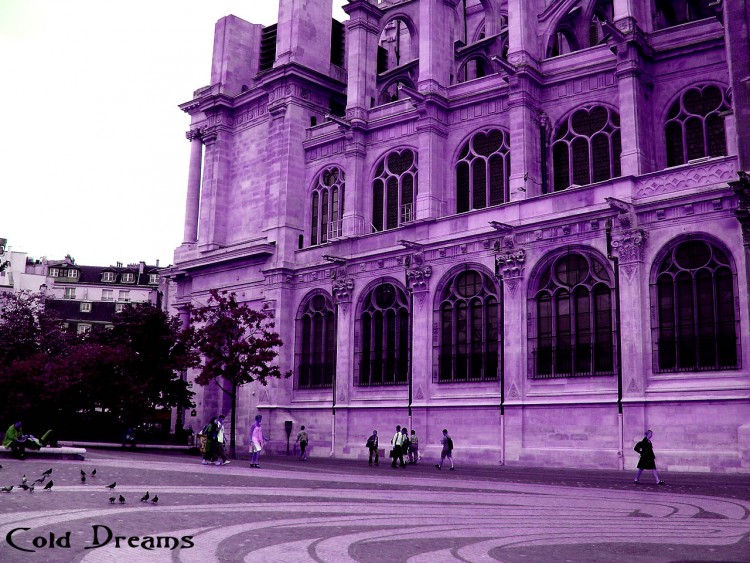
521,220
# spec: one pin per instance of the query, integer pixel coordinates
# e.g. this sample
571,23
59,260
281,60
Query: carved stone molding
687,178
629,246
510,264
342,290
418,278
194,134
741,189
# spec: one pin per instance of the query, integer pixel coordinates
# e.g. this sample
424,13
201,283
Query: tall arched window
695,125
562,42
316,343
469,318
586,148
327,206
603,11
474,68
483,171
384,340
395,46
394,190
573,312
696,324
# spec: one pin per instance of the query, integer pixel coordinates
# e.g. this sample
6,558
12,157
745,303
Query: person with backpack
397,443
447,451
302,441
372,446
413,448
211,431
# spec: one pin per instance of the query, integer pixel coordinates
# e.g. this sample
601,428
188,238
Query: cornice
197,260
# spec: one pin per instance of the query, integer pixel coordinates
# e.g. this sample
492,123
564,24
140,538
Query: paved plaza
339,511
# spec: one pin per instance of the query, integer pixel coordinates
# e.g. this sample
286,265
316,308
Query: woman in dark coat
648,459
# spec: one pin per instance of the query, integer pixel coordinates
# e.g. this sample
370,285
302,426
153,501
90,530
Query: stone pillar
362,33
736,29
213,210
436,38
433,132
356,221
342,290
194,187
304,34
418,275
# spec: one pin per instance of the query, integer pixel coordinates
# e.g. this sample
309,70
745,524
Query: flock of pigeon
49,484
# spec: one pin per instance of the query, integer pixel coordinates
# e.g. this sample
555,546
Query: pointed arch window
586,148
316,336
384,339
573,333
696,324
468,315
394,190
695,125
483,171
669,13
327,206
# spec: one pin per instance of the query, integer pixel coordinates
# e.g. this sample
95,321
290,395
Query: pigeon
48,486
40,480
155,499
1,466
48,472
112,500
112,486
93,473
145,497
83,478
83,473
122,499
23,479
7,489
24,486
31,489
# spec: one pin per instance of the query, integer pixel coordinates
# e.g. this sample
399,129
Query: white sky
93,155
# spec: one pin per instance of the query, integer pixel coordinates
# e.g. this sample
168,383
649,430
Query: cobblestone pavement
339,511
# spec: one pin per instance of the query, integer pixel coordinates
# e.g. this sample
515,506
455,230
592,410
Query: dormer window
108,276
153,278
127,278
54,272
73,274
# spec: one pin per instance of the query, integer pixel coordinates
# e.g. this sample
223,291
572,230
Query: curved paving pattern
274,515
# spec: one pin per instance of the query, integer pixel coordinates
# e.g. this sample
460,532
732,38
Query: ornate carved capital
741,188
342,289
630,245
194,134
510,264
210,135
418,278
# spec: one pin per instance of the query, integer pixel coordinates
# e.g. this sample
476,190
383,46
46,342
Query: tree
238,346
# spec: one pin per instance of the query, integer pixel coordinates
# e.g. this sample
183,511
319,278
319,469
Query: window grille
573,332
394,190
586,148
327,206
316,353
696,324
695,125
383,330
469,319
483,171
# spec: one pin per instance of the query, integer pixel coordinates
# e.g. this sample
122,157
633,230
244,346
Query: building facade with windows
520,220
86,297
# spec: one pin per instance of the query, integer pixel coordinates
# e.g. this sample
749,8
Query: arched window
562,42
695,125
483,171
394,190
316,343
327,206
392,93
395,45
696,324
472,69
668,13
586,148
384,339
468,315
573,312
603,11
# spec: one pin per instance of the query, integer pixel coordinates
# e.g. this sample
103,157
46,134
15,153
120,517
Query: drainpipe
410,355
502,376
616,262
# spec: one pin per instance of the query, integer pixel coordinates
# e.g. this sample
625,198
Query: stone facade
514,219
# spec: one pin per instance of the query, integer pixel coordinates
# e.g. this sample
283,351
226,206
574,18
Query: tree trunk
232,448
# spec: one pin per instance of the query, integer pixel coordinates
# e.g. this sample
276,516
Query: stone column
418,276
215,178
362,33
736,29
194,186
342,289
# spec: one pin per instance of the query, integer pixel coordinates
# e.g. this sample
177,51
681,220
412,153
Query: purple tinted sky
93,156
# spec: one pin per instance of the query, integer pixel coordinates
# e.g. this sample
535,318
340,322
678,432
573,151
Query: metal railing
550,360
467,367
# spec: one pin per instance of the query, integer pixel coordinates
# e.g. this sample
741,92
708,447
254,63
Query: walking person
302,441
648,459
211,430
221,447
256,442
396,443
413,447
372,446
447,451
